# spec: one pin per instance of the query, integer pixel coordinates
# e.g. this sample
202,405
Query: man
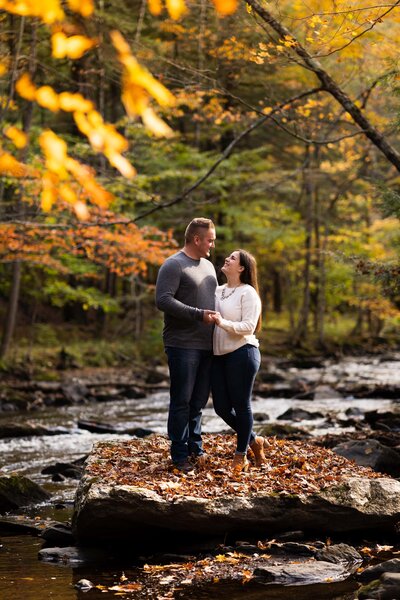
185,292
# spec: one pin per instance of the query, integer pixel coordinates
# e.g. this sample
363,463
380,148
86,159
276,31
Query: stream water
24,577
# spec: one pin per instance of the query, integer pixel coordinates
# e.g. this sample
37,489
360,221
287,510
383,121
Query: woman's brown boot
257,446
240,463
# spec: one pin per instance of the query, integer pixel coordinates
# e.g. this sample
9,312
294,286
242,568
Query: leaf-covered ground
293,467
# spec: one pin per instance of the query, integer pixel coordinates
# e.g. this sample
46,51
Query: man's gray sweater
185,288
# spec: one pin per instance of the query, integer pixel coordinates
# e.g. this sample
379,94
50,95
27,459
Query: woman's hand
216,317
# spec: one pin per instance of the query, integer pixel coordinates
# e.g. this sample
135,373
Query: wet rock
260,417
340,554
371,453
16,430
386,588
139,432
16,491
374,417
291,536
133,393
59,534
69,555
375,571
307,573
75,393
159,374
19,526
292,548
84,585
97,426
326,392
66,469
283,431
354,411
299,414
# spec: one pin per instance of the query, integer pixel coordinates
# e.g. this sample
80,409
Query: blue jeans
232,381
190,375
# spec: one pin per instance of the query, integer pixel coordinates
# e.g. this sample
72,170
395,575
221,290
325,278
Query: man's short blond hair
200,224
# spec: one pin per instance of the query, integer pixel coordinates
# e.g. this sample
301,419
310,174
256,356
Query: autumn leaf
11,166
73,47
155,7
176,8
225,7
83,7
18,137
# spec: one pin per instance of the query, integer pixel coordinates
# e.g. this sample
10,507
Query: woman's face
232,265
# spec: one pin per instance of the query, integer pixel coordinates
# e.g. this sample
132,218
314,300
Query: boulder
17,490
154,508
371,453
299,414
306,573
375,571
386,588
339,554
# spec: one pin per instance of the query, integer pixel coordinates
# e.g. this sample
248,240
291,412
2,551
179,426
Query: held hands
216,318
209,316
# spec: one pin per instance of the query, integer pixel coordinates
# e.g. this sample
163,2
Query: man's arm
167,285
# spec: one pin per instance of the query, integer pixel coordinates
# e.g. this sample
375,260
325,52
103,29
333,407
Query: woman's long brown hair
249,274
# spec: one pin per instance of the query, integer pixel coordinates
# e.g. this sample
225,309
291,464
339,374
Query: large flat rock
129,491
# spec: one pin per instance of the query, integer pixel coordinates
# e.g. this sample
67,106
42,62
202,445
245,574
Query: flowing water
24,577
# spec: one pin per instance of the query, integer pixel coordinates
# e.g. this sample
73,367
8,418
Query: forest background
122,120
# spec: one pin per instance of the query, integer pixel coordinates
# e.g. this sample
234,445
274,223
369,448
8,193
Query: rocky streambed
310,521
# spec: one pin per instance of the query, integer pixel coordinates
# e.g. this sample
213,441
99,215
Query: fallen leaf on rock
293,467
127,587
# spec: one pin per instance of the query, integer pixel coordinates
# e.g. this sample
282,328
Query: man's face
204,242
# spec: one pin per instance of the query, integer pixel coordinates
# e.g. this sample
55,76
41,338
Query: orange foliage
124,248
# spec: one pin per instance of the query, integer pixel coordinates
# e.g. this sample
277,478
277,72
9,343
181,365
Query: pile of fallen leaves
293,467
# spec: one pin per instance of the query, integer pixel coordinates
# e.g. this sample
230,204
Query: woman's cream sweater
240,312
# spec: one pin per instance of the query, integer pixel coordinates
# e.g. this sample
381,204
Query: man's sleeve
168,281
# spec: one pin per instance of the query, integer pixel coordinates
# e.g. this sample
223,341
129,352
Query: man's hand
208,316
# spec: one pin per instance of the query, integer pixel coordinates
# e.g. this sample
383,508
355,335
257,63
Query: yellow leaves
83,7
45,96
49,193
225,7
49,11
25,88
55,151
60,166
74,102
155,7
18,137
3,69
156,125
73,47
176,8
104,138
11,166
138,86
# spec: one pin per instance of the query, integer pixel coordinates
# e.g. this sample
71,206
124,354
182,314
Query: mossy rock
17,491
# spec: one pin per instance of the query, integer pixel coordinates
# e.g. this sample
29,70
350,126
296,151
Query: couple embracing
209,338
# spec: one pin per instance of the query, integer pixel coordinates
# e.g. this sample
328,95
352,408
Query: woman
236,354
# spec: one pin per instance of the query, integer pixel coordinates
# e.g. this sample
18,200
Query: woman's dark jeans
232,381
190,375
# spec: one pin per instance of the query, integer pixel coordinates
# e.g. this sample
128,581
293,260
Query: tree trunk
11,314
302,325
